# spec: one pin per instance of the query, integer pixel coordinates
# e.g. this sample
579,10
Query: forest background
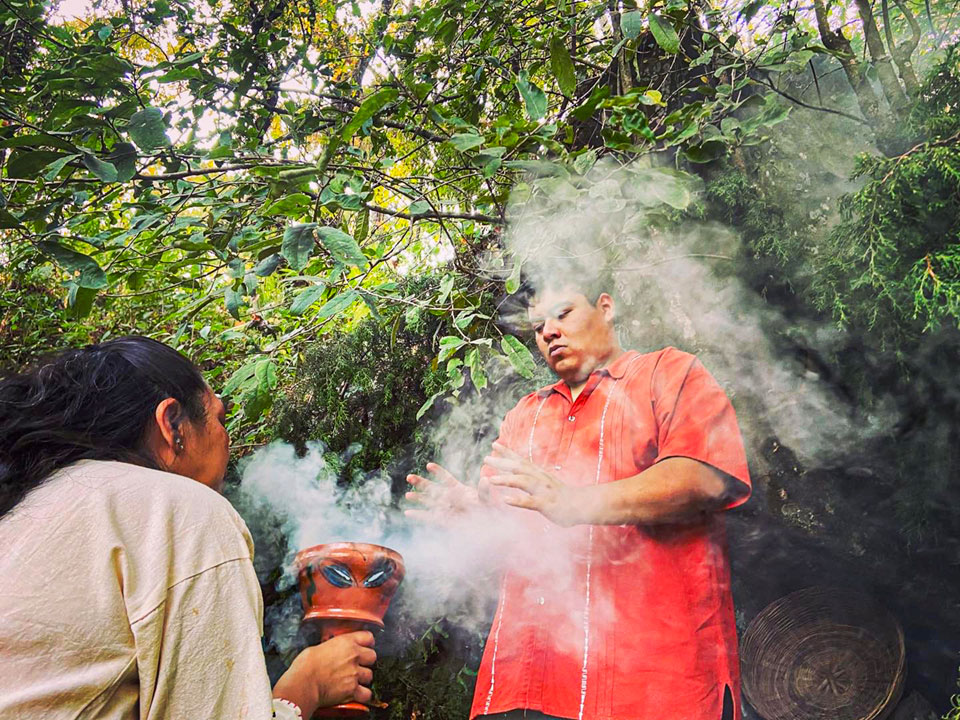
310,198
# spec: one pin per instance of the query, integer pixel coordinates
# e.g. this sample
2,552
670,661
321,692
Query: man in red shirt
624,464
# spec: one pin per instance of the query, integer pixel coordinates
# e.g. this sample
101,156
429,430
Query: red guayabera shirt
618,622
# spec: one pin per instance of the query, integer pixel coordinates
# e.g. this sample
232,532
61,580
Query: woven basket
823,654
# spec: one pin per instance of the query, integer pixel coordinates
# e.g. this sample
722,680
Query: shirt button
556,467
540,601
571,418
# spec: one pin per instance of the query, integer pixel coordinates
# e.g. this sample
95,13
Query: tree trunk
903,52
888,76
382,19
835,41
622,78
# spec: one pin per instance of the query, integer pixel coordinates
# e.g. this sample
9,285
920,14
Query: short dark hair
95,403
591,283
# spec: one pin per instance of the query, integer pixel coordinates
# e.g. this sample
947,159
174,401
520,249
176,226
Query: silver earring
179,443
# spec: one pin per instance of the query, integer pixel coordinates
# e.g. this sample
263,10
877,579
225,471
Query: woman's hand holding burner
334,672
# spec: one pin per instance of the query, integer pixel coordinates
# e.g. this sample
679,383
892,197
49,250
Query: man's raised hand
441,499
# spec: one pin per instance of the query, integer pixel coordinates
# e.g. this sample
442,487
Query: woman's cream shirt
129,593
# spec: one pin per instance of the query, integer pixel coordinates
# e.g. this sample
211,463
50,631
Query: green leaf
705,57
368,108
255,404
446,286
729,126
562,66
298,244
339,303
664,34
420,207
236,268
513,282
533,97
519,357
463,320
477,375
241,377
428,404
705,152
370,301
750,9
673,188
773,111
148,129
341,246
187,59
413,317
27,165
490,160
631,24
585,161
80,300
39,140
466,141
87,272
293,205
124,159
268,265
266,374
652,97
539,168
449,345
305,299
54,168
180,74
106,172
589,107
8,220
362,225
233,300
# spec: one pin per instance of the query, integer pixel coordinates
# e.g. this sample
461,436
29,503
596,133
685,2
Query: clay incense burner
346,587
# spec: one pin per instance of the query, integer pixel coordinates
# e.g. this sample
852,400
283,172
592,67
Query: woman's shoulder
110,482
147,530
150,508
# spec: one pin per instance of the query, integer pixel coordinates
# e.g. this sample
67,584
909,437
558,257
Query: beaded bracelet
286,710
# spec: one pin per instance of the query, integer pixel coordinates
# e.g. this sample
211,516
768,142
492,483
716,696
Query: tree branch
492,220
802,104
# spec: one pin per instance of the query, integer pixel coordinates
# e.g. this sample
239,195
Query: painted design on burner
338,575
380,573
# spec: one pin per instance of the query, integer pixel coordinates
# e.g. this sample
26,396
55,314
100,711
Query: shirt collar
616,369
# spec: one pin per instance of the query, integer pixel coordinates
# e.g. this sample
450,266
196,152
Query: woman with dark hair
127,587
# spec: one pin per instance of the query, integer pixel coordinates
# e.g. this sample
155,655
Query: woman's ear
168,416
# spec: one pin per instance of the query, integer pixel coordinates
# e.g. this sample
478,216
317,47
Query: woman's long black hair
94,403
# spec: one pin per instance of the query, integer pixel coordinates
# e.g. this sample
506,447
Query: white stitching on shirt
503,583
586,602
586,608
496,644
534,427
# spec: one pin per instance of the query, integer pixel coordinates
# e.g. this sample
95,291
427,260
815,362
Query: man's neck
577,387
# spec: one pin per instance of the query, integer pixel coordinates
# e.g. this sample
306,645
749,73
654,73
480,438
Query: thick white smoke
674,285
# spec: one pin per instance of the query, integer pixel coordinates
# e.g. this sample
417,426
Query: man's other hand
540,490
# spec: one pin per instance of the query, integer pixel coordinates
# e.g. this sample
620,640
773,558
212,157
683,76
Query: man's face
574,336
